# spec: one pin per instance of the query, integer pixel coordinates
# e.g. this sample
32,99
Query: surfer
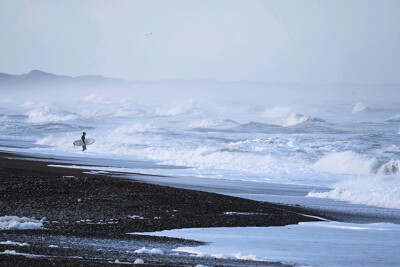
83,140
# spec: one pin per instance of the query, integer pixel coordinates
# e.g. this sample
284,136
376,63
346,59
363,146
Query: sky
336,41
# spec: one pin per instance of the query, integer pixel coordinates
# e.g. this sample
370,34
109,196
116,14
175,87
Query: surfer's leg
83,148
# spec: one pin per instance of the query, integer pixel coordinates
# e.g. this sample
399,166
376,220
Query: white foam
94,99
205,157
295,119
149,251
138,261
205,123
125,112
347,162
19,223
376,190
13,252
394,118
63,142
392,148
135,217
27,104
213,123
359,107
11,243
390,167
46,115
237,256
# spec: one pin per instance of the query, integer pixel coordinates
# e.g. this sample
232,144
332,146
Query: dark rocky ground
88,216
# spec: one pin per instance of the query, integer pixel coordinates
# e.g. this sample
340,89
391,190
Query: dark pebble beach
86,217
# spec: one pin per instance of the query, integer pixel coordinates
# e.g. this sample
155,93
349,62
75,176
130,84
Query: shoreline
81,206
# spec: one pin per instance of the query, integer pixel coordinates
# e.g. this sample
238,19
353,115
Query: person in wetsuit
83,140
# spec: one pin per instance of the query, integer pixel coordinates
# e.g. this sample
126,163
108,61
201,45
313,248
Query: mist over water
352,147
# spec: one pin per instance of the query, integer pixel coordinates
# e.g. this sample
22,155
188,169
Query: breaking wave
212,123
94,99
395,118
360,107
380,191
46,115
347,162
205,157
295,119
374,184
388,168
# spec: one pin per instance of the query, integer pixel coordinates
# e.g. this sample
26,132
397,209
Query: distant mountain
40,78
43,85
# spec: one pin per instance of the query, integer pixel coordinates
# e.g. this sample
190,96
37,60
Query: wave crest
347,162
46,115
360,107
212,123
389,168
295,119
380,191
395,118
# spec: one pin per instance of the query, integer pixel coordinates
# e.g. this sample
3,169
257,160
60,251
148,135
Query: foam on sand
18,223
11,243
138,261
13,252
149,251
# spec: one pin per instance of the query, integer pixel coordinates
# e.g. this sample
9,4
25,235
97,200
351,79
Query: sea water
352,149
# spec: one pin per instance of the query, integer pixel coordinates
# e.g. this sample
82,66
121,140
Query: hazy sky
277,41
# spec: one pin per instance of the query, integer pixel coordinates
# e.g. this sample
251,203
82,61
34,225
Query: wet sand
88,216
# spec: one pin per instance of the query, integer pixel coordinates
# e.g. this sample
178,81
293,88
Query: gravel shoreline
85,209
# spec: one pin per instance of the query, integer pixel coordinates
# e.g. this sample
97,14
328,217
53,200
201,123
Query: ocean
352,150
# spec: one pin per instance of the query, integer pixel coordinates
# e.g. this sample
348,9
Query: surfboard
88,141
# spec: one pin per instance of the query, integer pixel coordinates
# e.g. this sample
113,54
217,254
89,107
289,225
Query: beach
245,189
77,209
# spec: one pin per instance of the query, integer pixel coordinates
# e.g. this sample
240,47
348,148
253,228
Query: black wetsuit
84,143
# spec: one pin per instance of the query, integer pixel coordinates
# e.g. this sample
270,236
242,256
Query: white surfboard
88,141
